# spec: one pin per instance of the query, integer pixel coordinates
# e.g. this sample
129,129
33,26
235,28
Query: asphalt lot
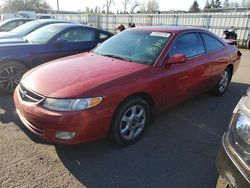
178,149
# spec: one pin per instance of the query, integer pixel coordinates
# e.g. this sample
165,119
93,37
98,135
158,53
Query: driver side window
189,44
78,35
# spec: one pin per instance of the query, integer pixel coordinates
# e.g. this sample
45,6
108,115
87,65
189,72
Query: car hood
72,76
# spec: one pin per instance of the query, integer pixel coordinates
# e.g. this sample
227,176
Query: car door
75,40
218,55
70,42
190,78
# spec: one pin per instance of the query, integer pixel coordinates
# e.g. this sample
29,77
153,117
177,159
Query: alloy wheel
10,77
133,122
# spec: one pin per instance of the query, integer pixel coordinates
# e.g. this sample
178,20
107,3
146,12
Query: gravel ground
178,149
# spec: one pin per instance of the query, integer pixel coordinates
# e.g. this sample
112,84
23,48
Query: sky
75,5
81,4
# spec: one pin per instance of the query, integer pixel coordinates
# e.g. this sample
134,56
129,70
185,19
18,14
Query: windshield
26,28
44,34
136,46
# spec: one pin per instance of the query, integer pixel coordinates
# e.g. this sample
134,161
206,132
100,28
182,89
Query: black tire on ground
221,183
11,73
129,121
223,83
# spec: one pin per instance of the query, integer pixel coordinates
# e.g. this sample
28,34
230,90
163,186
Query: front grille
29,96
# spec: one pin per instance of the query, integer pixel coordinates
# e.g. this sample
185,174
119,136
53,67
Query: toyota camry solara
115,89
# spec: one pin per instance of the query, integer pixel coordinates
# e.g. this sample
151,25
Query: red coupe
115,89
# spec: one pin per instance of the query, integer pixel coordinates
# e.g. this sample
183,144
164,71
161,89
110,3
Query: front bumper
231,167
88,125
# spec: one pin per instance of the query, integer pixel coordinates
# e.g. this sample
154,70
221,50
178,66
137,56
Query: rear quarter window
104,36
212,43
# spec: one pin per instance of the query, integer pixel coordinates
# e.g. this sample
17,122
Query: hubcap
224,81
132,122
10,77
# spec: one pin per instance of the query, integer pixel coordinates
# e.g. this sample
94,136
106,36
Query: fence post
176,20
207,21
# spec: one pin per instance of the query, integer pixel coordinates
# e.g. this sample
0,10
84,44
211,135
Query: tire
11,73
129,121
222,183
223,83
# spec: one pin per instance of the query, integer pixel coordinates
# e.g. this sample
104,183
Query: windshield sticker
159,44
160,34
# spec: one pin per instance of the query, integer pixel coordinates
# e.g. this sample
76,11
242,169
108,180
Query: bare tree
29,5
125,4
134,5
226,3
234,4
143,7
108,5
245,3
152,6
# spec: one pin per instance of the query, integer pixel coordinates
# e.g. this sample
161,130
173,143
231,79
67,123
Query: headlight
243,119
243,127
67,105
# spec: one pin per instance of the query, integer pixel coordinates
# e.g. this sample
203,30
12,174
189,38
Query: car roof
51,21
68,24
16,19
171,29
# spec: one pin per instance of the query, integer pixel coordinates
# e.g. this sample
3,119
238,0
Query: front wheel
10,76
130,121
223,83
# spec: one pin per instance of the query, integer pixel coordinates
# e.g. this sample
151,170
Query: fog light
65,135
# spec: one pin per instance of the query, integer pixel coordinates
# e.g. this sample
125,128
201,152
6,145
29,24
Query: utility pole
57,6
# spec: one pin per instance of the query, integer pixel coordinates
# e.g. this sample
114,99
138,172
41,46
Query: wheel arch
231,69
14,60
147,97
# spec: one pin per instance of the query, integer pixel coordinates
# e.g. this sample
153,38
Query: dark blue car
45,44
29,27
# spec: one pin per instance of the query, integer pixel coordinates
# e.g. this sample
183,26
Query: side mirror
177,59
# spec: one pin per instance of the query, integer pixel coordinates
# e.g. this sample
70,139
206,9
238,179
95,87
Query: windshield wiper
116,57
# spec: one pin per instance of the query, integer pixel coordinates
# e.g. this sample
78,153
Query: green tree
195,7
217,4
212,4
27,5
207,5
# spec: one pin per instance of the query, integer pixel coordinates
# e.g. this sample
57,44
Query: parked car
45,44
115,89
233,160
45,16
26,14
27,28
10,24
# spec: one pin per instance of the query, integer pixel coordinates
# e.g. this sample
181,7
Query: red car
115,89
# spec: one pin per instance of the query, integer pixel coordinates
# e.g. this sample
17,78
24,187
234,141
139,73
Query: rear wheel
10,75
130,121
223,83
